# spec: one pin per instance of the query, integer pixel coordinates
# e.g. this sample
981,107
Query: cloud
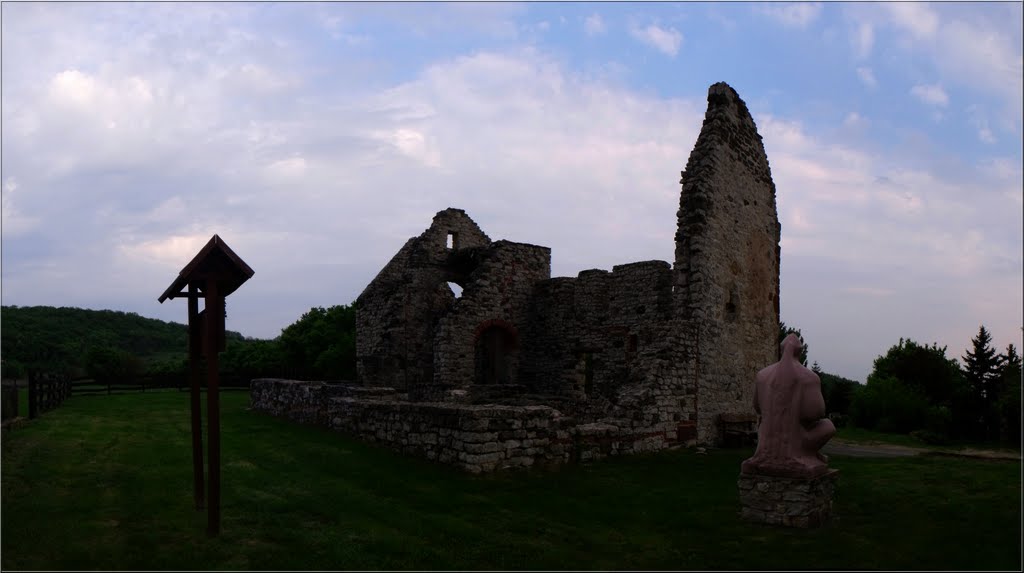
594,25
795,14
854,120
13,222
863,39
932,94
917,18
867,77
665,40
134,149
974,50
879,229
978,119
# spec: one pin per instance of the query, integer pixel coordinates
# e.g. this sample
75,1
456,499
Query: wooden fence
46,391
9,400
151,383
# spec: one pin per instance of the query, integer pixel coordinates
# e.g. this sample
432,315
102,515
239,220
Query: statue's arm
813,400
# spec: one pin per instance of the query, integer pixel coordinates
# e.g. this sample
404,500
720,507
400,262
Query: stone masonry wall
397,313
792,502
475,438
727,258
498,292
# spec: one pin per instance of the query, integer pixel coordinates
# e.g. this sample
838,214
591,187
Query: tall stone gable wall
398,312
727,258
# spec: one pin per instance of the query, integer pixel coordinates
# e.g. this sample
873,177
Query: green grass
104,482
862,436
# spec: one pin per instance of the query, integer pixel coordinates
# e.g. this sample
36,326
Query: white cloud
984,58
978,119
414,144
290,168
978,51
915,17
171,250
864,39
594,25
665,40
867,77
13,222
794,14
854,120
931,94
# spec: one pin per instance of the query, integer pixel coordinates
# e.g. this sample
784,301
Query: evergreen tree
1008,405
983,371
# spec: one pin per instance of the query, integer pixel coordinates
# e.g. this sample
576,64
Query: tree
785,331
1008,404
888,405
108,365
913,386
839,392
321,344
983,371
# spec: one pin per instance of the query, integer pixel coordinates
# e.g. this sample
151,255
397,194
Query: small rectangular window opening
453,239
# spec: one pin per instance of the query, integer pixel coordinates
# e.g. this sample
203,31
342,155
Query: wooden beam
195,339
214,324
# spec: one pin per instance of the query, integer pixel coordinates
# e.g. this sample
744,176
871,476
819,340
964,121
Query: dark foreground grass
105,483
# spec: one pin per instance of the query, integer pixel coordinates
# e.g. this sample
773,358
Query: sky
316,138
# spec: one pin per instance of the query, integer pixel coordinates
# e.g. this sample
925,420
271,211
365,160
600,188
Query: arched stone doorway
495,348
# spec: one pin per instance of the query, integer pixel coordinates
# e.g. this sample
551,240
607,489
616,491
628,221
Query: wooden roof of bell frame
215,261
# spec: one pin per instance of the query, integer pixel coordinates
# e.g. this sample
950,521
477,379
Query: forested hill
46,337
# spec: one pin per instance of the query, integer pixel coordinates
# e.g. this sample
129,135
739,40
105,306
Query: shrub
887,405
928,437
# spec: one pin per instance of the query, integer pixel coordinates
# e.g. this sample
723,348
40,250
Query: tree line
916,389
116,346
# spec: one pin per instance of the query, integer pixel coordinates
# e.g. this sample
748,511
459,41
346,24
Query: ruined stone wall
397,313
475,438
609,341
727,258
498,293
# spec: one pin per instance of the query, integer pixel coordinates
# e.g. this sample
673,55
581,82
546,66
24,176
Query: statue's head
791,345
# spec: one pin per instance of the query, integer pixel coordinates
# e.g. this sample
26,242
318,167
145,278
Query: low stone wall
792,502
474,437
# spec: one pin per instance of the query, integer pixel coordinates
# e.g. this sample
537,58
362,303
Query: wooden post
194,354
219,272
33,399
214,315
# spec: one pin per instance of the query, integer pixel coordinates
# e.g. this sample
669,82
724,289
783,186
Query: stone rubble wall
498,292
397,313
727,258
475,438
793,502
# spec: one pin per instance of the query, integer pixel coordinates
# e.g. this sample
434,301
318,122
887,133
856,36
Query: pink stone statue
793,427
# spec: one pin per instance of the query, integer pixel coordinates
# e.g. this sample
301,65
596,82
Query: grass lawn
104,482
862,436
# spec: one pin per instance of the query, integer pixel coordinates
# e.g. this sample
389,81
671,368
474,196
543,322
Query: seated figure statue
793,427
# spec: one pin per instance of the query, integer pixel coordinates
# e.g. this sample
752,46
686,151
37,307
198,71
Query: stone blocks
791,502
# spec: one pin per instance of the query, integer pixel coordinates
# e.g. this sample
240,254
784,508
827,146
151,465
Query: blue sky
315,138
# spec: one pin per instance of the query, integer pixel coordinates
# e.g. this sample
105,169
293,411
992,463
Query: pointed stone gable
727,254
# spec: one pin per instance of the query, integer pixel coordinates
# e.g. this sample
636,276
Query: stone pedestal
793,502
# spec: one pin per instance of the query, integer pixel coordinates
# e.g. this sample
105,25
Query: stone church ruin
524,369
